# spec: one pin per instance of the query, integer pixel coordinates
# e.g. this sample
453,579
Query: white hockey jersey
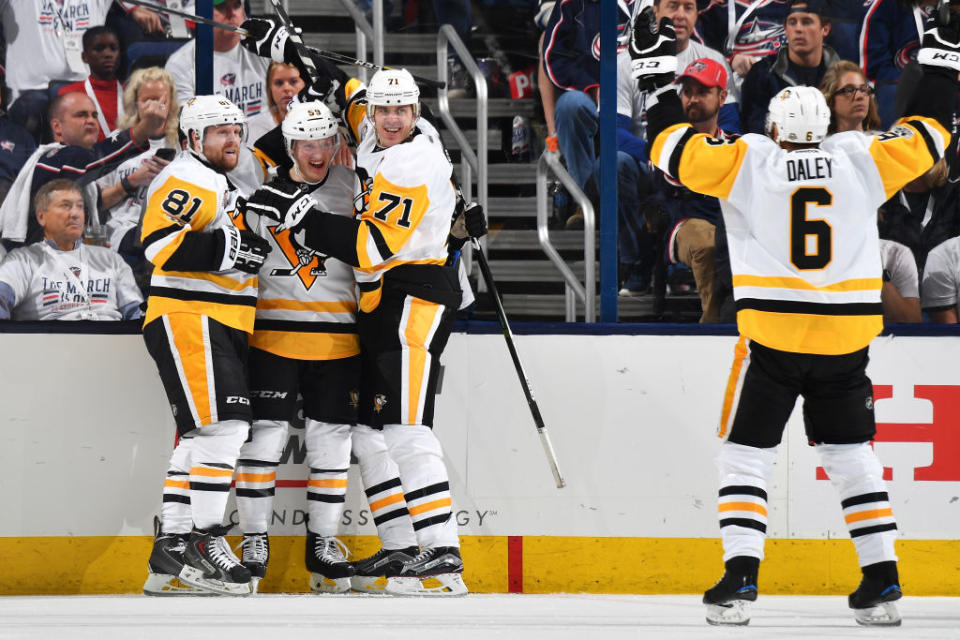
307,307
190,196
238,75
801,225
40,282
408,202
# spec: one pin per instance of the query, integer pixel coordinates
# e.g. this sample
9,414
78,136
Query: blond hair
131,94
831,83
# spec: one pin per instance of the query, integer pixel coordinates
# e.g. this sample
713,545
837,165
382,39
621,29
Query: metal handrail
364,30
550,160
471,161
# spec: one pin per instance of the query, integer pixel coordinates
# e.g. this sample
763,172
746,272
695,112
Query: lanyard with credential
76,280
93,96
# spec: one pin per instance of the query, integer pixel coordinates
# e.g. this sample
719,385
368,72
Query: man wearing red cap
694,217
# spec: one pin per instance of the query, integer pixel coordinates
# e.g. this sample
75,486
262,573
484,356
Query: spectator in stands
802,62
853,106
101,51
900,295
16,146
759,31
75,154
283,84
570,86
692,232
940,291
238,74
61,278
44,45
889,39
123,190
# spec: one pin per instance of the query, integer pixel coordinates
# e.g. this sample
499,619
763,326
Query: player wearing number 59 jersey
800,214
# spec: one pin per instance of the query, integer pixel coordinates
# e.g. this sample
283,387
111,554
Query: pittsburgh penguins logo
379,402
306,264
354,398
362,201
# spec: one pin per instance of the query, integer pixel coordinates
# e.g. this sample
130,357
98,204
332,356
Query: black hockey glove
324,89
268,39
475,220
940,45
243,250
653,51
281,202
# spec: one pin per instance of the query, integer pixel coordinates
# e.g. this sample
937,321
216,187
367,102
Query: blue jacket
889,40
571,44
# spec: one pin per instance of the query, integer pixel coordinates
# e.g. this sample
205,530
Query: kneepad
328,445
267,440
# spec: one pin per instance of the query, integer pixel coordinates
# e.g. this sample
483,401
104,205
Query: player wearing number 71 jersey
800,214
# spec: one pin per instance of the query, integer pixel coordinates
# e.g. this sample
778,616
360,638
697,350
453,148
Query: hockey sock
742,507
858,476
175,513
215,450
381,480
256,477
423,475
328,455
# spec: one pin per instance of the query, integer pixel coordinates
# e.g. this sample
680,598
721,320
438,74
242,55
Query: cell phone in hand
165,154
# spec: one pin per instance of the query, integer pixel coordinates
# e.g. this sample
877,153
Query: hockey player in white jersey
305,341
409,293
804,252
203,296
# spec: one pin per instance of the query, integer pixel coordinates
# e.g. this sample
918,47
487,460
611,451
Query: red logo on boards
943,432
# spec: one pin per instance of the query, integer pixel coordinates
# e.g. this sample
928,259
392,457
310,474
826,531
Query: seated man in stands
694,217
101,52
61,278
76,154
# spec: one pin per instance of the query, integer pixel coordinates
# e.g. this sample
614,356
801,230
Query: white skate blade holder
165,585
444,584
884,614
735,613
322,584
195,577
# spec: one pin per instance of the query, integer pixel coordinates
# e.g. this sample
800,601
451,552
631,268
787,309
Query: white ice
583,617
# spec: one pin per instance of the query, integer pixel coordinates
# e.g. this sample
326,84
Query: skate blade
322,584
884,614
165,585
736,613
445,584
195,577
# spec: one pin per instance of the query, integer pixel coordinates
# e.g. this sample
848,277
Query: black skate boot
326,559
873,601
209,563
728,600
374,572
256,554
166,561
434,572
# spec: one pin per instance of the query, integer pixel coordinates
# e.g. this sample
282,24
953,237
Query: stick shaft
524,382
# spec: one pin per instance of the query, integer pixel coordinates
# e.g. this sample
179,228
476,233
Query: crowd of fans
74,110
861,55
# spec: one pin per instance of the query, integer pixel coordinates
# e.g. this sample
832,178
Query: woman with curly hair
853,106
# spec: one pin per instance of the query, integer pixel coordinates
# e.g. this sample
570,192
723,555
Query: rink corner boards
504,564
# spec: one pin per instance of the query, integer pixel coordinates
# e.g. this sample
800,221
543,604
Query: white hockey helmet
308,121
801,115
200,112
392,87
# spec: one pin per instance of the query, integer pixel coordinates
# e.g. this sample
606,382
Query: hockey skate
729,600
326,559
209,563
873,601
255,555
434,572
166,561
374,572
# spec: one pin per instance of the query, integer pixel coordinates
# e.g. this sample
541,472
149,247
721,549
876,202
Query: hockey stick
333,56
524,381
297,41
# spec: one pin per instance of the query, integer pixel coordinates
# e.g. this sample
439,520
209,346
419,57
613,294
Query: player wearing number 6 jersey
203,296
804,252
